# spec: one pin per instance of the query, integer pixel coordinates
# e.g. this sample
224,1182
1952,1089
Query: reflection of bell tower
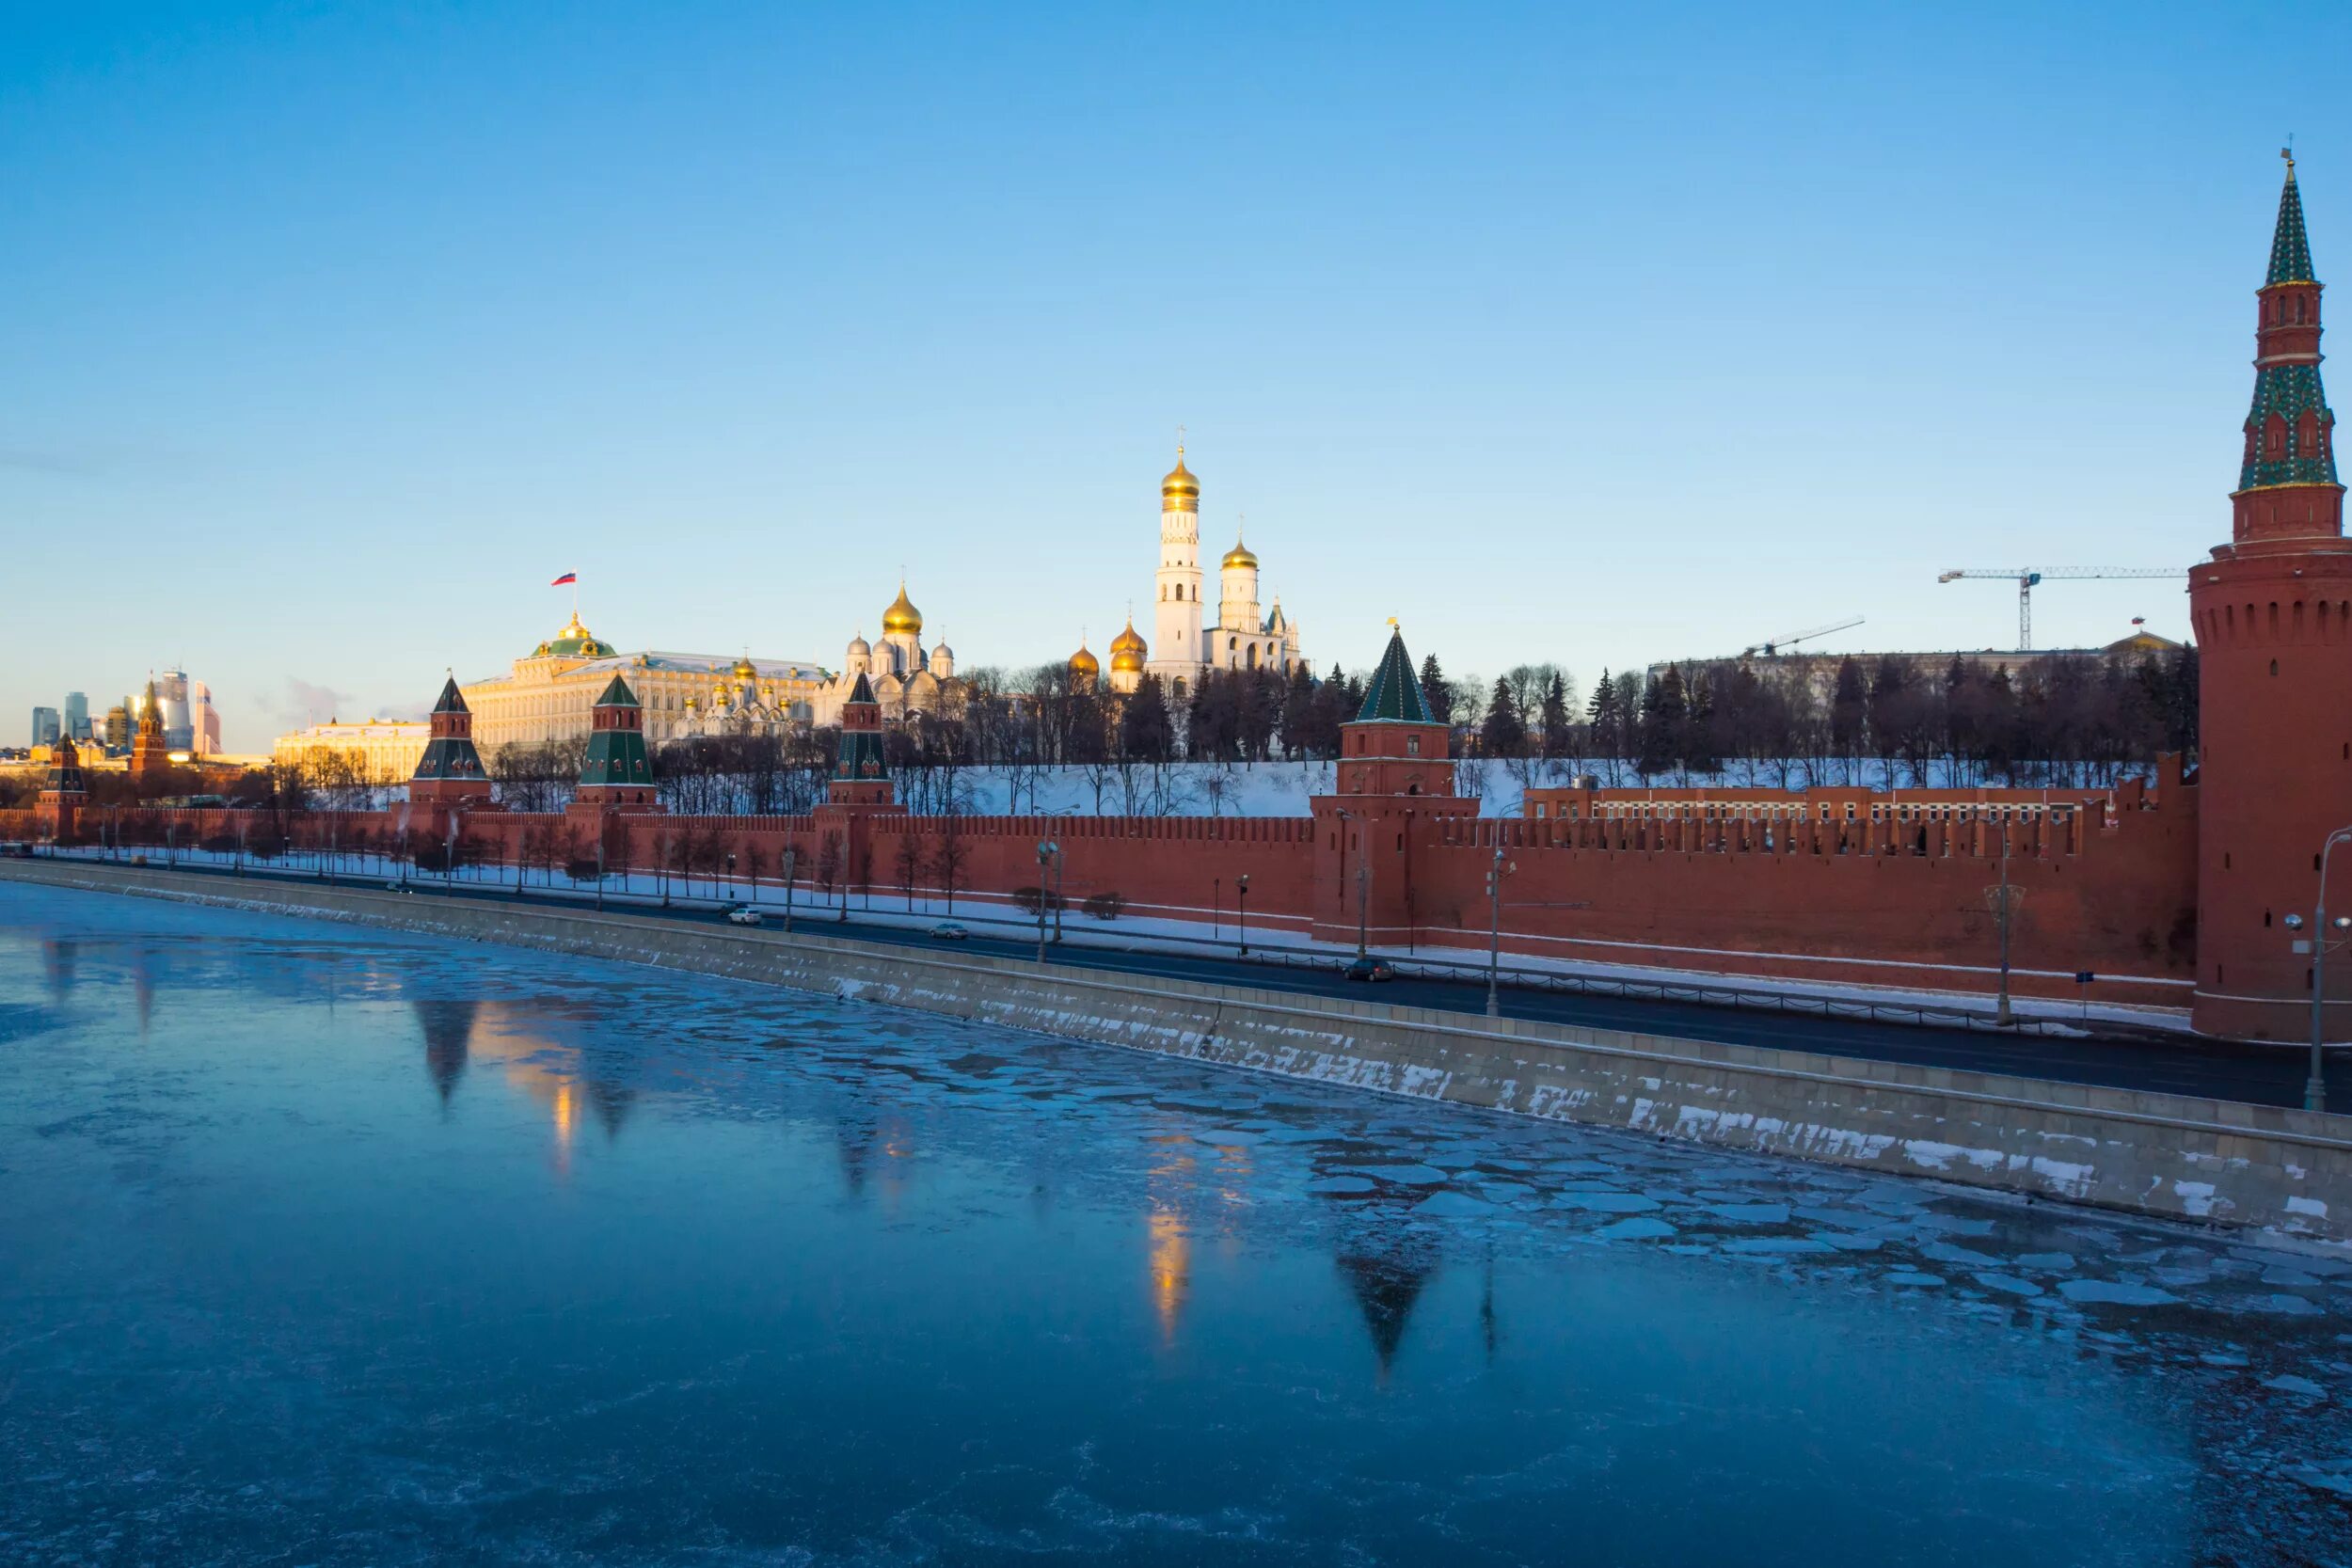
1176,624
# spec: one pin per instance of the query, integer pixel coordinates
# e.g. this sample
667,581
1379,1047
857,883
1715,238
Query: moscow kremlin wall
2173,895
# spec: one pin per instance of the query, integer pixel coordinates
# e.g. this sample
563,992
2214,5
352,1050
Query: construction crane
1769,649
2025,578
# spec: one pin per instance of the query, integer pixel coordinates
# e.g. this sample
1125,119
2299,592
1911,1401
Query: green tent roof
863,691
2289,247
617,695
1395,696
451,700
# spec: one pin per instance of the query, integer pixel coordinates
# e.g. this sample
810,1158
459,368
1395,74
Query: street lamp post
1047,853
2315,1087
1241,910
1216,908
172,834
1364,879
1494,927
791,865
449,854
601,867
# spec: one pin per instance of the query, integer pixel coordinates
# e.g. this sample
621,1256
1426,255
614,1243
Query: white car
947,930
742,914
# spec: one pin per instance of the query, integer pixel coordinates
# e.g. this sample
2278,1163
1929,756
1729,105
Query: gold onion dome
901,616
1239,555
744,669
1127,650
1084,664
1179,490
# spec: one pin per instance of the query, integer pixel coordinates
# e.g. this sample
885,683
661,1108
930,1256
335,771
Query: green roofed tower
1394,696
860,776
451,768
617,770
2287,485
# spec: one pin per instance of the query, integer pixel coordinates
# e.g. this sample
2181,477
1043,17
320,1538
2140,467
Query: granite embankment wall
2171,1156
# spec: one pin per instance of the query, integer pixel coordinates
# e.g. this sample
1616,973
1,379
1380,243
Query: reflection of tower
1387,1278
612,1102
1176,625
448,1030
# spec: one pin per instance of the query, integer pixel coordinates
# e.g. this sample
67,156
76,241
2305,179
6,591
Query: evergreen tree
1145,733
1701,751
1503,734
1664,716
1437,690
1604,720
1555,716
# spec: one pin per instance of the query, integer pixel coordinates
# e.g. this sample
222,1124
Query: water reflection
1118,1309
447,1024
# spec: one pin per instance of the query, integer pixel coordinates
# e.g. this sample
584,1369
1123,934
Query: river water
329,1245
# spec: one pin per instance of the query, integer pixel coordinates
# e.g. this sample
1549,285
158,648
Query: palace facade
551,693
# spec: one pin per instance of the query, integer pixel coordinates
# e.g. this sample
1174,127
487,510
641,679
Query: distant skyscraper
204,720
44,726
117,735
77,714
171,698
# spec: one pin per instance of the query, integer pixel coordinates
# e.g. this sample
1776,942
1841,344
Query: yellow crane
2025,578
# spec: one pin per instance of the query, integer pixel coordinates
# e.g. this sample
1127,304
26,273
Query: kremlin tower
2273,617
450,768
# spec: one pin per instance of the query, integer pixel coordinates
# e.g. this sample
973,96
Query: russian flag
568,576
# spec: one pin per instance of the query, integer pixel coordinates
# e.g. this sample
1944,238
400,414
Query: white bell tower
1177,651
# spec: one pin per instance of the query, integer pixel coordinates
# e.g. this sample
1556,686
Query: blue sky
1587,334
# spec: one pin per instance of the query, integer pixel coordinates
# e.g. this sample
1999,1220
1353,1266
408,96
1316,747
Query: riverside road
2256,1074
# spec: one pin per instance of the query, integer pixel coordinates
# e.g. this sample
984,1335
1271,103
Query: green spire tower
617,770
2287,485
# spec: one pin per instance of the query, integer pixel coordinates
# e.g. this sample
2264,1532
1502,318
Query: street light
1364,879
791,865
1241,909
1048,852
1494,926
2315,1087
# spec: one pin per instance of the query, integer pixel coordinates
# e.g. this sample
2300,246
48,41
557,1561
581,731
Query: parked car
947,930
1369,968
742,914
17,849
396,887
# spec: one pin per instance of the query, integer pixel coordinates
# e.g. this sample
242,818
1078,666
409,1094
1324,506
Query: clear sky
1579,333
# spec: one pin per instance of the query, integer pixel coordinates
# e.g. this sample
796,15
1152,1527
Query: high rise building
117,735
2273,614
45,727
203,721
172,693
77,714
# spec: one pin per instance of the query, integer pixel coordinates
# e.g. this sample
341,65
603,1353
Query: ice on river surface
327,1245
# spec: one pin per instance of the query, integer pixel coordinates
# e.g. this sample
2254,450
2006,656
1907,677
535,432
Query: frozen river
326,1246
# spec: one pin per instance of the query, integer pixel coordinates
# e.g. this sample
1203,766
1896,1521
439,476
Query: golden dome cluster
1127,651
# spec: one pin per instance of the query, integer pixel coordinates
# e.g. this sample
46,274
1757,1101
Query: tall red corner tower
2273,617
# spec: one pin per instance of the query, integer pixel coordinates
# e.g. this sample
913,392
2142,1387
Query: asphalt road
2258,1074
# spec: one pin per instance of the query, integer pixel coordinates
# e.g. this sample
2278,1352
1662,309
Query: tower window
2298,310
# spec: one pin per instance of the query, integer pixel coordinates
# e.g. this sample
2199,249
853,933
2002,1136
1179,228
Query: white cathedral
1240,639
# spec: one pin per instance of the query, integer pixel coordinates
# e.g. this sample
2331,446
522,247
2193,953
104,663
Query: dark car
1369,968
